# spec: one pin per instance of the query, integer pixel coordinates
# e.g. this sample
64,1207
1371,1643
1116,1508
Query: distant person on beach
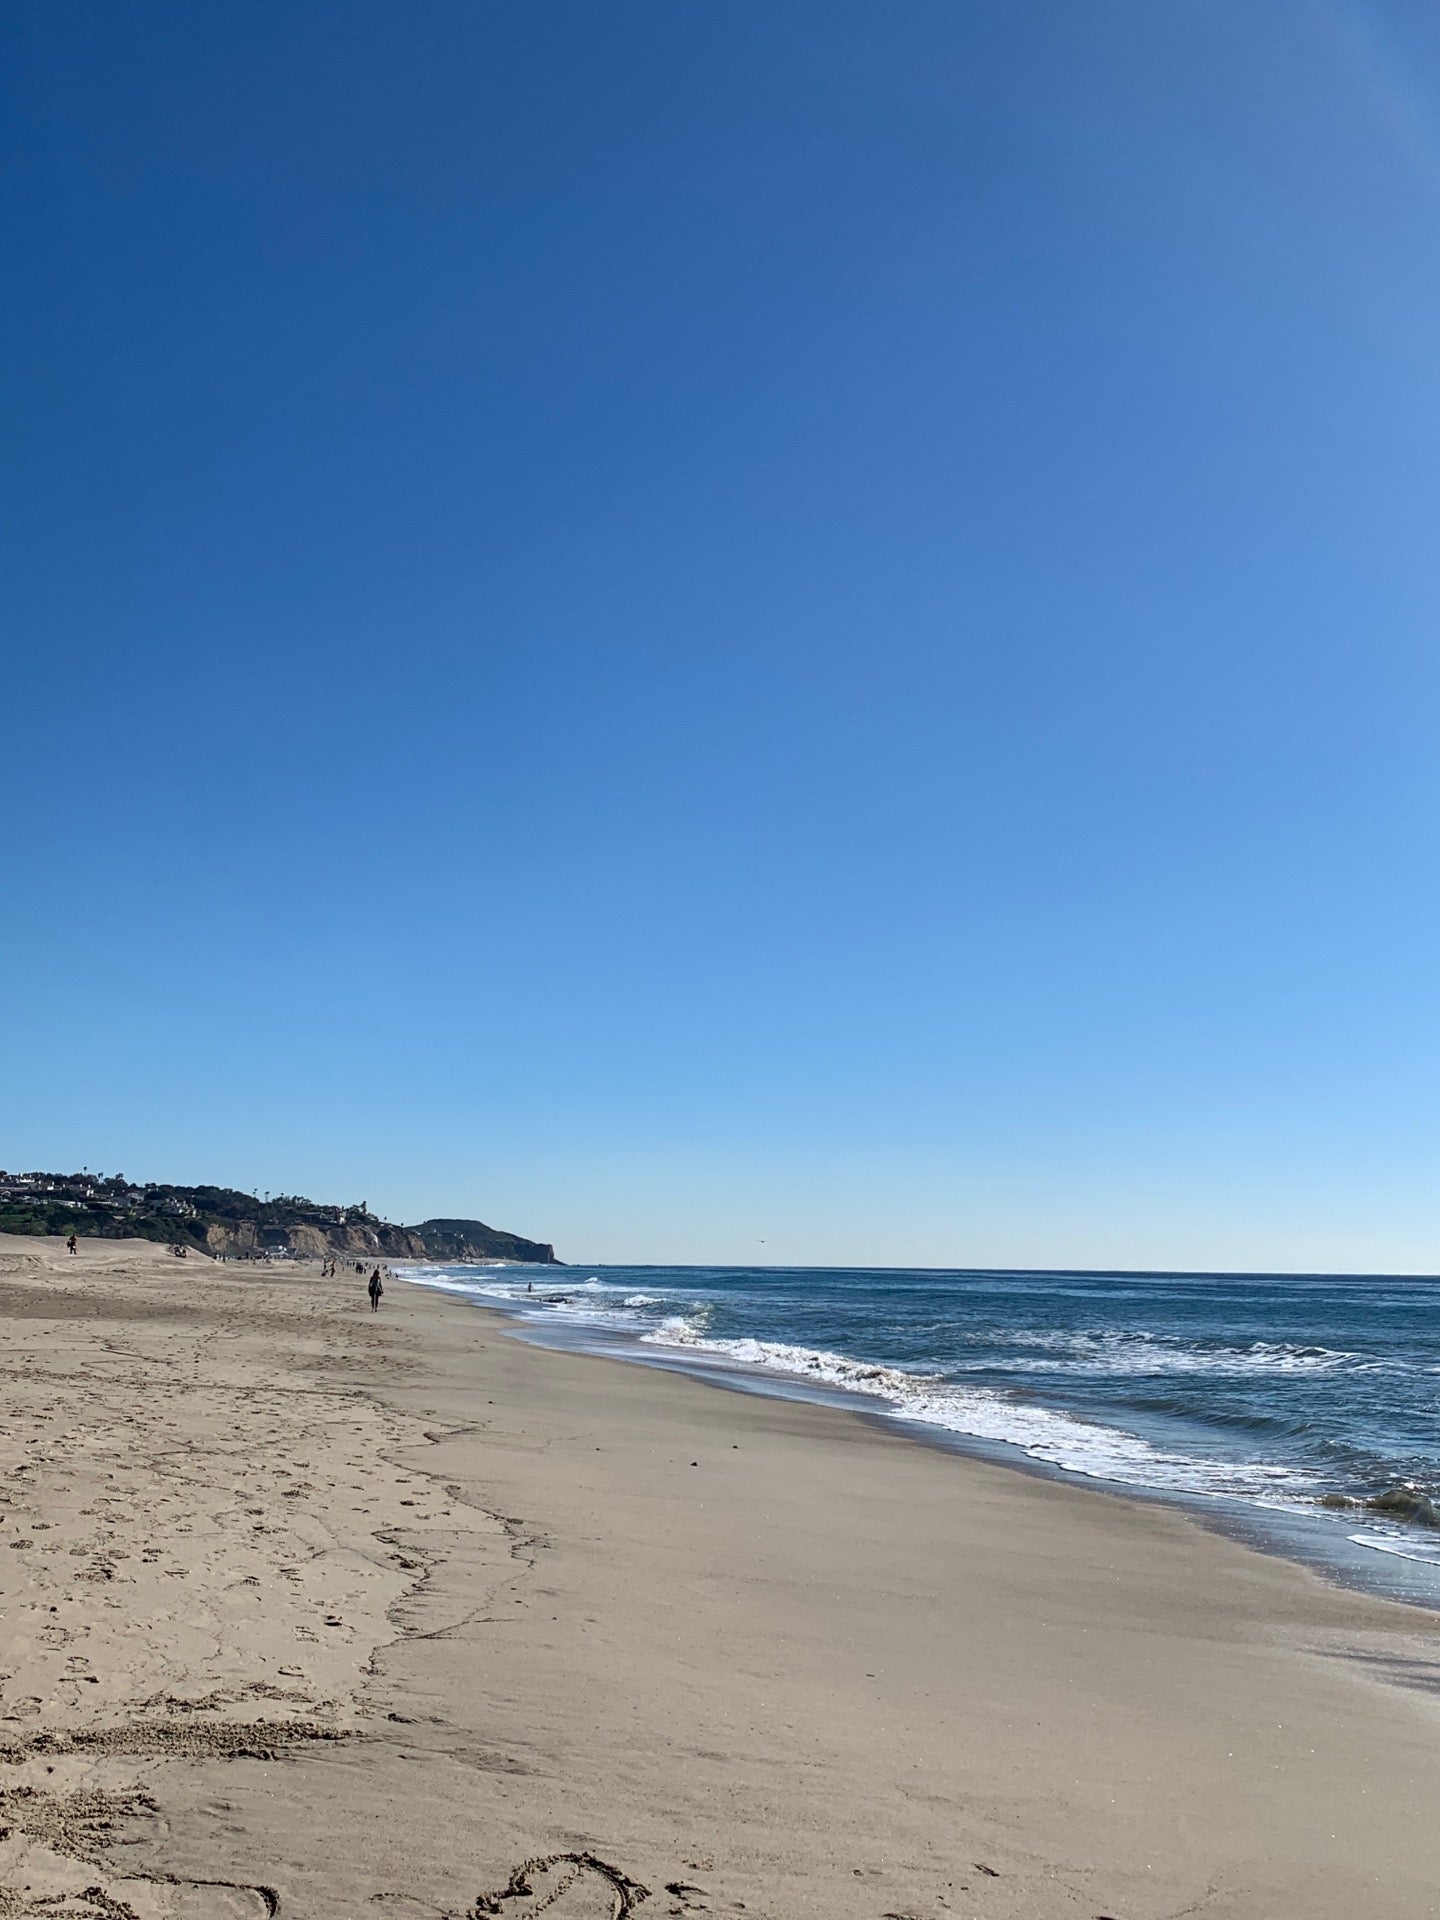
71,1244
375,1291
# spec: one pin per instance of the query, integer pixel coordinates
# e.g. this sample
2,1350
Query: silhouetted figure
375,1291
71,1244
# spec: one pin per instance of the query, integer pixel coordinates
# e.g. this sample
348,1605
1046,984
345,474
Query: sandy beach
318,1613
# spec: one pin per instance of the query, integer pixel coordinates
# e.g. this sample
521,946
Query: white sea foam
1403,1547
1081,1447
535,1292
1124,1354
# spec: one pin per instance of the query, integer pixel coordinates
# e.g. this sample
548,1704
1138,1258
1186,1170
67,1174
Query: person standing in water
375,1291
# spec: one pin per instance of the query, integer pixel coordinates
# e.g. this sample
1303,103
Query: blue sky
790,632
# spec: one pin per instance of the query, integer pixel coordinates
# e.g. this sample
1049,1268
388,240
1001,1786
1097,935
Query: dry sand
322,1614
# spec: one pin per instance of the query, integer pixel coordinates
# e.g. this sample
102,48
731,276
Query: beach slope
313,1612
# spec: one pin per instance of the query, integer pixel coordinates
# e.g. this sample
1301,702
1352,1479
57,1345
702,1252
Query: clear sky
748,630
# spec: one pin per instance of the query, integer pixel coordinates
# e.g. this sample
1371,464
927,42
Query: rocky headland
226,1221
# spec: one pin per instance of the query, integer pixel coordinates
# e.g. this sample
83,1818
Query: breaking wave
1084,1447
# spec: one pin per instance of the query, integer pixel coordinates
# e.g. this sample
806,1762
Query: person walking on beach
375,1291
71,1244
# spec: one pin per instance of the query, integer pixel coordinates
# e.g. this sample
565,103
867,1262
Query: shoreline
1289,1533
397,1604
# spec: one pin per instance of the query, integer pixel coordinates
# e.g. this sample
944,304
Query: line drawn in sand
52,1837
588,1887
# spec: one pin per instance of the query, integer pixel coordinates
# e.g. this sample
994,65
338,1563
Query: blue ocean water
1300,1409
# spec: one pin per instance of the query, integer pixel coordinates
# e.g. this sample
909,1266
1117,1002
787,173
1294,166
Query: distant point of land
222,1220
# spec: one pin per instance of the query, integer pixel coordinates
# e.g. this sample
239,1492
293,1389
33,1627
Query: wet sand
313,1612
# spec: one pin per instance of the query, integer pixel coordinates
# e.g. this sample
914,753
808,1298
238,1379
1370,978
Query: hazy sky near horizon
735,631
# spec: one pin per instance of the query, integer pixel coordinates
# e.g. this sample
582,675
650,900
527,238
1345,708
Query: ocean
1297,1410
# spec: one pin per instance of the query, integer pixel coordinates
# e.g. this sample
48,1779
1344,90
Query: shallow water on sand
1300,1408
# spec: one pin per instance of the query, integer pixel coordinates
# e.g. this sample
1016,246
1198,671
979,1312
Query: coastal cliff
225,1221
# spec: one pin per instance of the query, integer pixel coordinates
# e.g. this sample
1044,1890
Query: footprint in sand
569,1886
